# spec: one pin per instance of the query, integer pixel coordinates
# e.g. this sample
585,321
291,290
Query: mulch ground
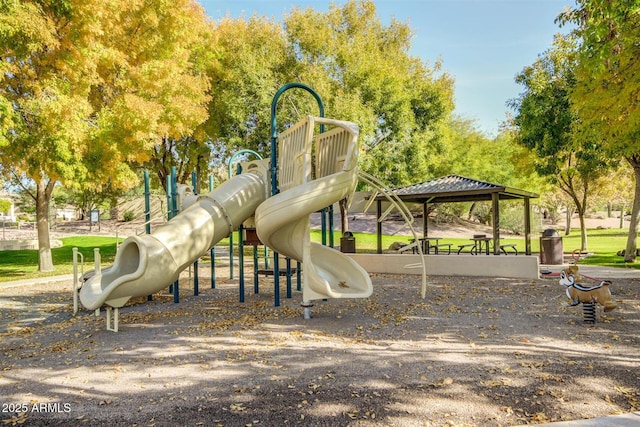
476,352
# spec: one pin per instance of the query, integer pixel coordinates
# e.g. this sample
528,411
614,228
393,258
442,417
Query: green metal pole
213,249
274,165
174,204
196,291
147,203
169,203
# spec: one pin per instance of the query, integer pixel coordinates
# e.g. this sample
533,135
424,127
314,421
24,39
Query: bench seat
512,246
468,245
283,272
440,246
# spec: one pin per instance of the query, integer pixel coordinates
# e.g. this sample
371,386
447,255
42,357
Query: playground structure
307,172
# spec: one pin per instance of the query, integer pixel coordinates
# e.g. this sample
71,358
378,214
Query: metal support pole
213,249
174,191
288,277
147,211
194,182
331,226
174,209
169,202
147,203
323,221
196,290
213,267
255,270
241,262
169,211
77,278
231,255
276,280
274,163
379,225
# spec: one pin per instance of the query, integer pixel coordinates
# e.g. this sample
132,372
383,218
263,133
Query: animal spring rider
588,296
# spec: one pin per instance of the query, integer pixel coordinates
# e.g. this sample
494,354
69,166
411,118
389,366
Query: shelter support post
495,207
527,226
379,224
425,226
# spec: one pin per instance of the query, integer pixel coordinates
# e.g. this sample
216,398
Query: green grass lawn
16,265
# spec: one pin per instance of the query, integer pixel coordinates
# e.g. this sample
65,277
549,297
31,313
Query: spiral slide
282,221
148,263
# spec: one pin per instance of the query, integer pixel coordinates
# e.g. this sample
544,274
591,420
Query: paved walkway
595,271
626,420
37,281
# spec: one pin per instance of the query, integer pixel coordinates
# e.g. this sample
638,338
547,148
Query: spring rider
588,296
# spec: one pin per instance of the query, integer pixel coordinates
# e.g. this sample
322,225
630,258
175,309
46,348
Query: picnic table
429,243
480,242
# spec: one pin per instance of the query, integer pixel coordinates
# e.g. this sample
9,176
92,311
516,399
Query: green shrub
128,216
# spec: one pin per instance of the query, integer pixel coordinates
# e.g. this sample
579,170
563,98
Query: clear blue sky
483,44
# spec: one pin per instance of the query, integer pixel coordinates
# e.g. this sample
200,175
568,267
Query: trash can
348,243
551,247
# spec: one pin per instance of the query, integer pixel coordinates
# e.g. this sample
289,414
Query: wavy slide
148,263
282,223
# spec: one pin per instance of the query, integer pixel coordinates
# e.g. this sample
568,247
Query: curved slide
282,223
148,263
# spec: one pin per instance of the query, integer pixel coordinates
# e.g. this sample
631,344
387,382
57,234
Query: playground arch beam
274,165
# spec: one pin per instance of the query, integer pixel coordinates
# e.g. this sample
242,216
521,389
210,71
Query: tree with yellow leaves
88,88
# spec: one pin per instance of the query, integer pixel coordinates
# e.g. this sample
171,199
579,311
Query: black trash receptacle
551,251
348,243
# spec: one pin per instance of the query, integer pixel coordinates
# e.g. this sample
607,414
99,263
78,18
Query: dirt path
476,352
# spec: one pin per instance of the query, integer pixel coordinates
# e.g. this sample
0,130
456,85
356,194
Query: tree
607,94
88,87
5,206
252,61
545,123
364,73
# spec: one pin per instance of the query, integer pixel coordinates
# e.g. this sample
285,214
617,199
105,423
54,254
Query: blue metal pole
169,203
331,226
241,262
174,191
299,284
174,203
239,170
276,280
169,209
213,249
323,221
274,164
147,203
147,211
288,277
196,290
255,270
231,255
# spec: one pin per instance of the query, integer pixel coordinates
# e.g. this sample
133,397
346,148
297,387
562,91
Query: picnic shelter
456,188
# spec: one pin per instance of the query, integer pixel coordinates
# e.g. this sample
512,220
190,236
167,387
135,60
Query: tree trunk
622,217
44,190
471,209
632,239
567,226
344,217
583,232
